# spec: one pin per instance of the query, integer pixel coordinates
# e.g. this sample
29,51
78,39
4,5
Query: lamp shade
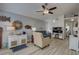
34,28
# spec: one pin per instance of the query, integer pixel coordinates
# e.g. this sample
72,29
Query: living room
46,21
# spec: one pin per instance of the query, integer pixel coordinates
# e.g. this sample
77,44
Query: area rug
17,48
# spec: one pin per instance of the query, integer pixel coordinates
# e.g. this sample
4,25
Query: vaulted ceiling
29,9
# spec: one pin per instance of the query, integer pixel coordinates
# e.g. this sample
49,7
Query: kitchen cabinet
74,43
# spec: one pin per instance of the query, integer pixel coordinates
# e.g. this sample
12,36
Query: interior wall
39,24
59,22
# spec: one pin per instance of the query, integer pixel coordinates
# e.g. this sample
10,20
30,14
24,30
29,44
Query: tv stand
58,35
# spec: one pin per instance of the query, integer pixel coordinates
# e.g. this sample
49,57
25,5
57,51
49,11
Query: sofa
45,34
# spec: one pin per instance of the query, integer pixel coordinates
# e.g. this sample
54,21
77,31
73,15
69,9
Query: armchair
40,41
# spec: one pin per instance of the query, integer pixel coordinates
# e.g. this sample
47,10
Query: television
57,30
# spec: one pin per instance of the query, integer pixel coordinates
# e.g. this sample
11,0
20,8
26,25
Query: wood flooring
57,47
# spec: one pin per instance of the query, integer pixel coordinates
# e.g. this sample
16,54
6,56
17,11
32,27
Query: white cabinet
16,40
74,43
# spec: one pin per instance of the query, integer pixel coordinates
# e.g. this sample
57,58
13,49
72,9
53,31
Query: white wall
59,22
39,24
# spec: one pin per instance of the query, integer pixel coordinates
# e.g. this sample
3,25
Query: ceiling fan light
46,11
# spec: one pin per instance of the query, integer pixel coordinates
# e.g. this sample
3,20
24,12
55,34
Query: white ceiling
29,9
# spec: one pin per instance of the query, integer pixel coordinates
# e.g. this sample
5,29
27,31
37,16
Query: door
1,31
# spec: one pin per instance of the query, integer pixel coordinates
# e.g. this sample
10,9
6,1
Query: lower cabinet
74,43
13,44
14,41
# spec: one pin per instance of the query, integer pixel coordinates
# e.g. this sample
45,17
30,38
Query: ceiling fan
46,10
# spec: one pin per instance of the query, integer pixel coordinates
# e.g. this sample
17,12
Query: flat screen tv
57,30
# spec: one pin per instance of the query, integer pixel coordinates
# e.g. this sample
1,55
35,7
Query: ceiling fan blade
39,11
53,8
43,6
50,12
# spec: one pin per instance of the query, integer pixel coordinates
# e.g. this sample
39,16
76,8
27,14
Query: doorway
1,31
70,24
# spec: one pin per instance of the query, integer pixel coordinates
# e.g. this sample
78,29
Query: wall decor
17,24
28,27
4,18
